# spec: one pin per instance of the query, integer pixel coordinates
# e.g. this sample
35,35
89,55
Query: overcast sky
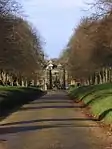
55,20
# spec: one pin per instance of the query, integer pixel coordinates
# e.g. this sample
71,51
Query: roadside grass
98,98
15,97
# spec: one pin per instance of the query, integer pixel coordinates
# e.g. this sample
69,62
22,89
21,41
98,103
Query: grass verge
15,97
98,98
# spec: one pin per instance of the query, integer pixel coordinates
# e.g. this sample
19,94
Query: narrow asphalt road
51,122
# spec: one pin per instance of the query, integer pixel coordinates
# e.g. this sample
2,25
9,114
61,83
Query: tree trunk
93,79
98,78
101,77
109,74
89,80
104,75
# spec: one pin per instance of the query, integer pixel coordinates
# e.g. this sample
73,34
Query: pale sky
55,20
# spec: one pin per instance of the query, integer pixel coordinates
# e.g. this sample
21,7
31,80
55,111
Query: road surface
51,122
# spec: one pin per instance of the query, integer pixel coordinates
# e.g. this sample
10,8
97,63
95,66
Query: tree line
21,51
88,54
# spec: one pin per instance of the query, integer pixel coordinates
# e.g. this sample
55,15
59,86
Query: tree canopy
89,49
21,50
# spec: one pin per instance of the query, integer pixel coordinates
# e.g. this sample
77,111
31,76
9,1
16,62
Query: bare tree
90,51
9,6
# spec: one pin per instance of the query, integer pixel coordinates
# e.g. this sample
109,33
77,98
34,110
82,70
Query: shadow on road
49,120
18,129
51,101
55,97
49,107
